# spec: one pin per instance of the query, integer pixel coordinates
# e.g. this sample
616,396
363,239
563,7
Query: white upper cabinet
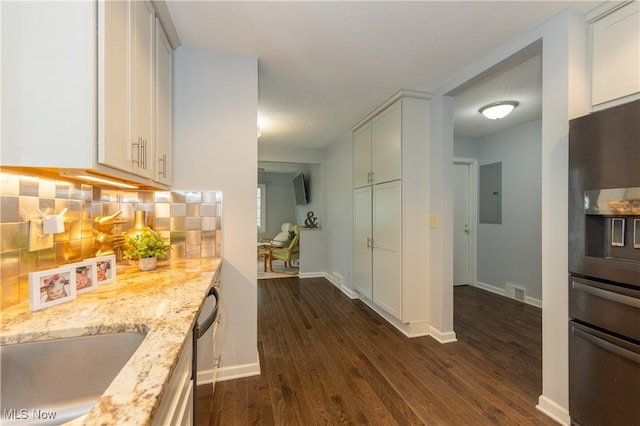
142,88
616,54
377,148
114,146
79,87
48,84
387,145
163,112
127,75
361,140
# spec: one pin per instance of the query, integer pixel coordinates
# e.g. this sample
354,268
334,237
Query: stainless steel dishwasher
201,327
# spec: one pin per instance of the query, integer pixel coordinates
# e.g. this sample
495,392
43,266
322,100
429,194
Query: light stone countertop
163,302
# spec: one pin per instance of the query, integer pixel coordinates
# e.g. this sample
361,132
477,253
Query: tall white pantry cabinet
390,202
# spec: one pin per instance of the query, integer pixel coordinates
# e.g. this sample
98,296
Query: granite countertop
163,303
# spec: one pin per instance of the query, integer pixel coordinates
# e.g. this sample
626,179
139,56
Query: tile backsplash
191,221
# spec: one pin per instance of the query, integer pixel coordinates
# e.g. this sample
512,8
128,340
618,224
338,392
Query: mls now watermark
24,414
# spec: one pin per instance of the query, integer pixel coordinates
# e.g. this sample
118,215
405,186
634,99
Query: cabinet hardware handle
216,362
144,154
163,171
137,146
373,176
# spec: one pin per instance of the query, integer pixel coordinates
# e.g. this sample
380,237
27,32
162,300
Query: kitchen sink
55,381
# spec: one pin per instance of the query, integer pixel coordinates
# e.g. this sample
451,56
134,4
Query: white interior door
461,224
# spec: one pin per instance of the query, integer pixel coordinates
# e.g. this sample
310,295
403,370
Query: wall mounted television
301,189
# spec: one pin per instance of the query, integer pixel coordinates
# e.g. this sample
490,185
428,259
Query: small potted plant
146,246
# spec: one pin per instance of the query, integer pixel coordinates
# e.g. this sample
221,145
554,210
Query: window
262,206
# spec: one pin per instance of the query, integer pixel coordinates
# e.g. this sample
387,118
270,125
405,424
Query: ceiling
324,65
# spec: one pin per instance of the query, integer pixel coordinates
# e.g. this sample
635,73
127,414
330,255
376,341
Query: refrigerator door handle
608,346
609,295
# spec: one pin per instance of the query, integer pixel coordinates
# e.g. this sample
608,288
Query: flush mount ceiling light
498,110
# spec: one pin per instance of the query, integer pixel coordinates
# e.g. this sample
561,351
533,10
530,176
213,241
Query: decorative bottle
139,225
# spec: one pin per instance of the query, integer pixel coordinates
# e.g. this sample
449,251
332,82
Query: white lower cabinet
387,247
362,260
378,245
176,407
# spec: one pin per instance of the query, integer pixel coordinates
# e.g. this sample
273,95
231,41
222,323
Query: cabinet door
387,144
387,241
48,84
163,101
142,84
616,54
176,406
362,241
362,156
114,148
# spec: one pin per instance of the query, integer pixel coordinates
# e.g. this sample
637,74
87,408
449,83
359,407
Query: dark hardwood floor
327,359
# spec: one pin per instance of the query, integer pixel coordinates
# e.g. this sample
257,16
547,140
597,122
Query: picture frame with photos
52,287
105,269
86,276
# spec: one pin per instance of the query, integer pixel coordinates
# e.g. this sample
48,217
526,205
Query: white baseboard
412,329
534,302
312,275
490,288
229,373
351,294
501,291
553,410
443,336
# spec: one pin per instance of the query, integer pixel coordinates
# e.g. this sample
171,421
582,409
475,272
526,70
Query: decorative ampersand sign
311,221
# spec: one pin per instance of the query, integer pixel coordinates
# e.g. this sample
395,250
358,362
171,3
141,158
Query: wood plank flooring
327,359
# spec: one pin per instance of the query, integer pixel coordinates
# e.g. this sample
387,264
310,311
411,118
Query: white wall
511,252
215,148
315,189
311,163
564,93
281,204
339,222
465,148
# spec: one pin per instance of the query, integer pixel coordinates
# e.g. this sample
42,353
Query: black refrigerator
604,267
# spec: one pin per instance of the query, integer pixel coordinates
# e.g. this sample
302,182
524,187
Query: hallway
326,359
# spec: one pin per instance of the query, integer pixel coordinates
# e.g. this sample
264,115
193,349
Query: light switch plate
37,239
433,221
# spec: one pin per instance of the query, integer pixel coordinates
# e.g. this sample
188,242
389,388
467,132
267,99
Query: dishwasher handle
206,324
